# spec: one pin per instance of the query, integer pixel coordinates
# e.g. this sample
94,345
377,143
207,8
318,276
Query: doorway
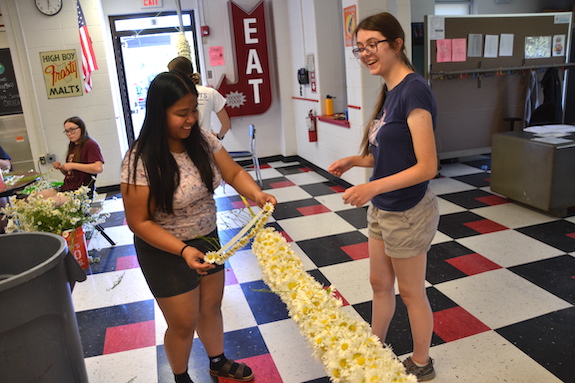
143,46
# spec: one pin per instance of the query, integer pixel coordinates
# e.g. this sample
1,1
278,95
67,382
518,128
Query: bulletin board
9,96
479,90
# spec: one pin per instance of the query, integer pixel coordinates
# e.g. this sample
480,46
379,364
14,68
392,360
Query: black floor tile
440,271
115,219
292,169
264,303
470,199
289,209
327,251
478,179
548,339
556,275
356,217
108,258
322,188
93,323
453,224
559,234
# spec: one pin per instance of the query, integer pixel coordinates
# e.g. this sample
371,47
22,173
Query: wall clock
49,7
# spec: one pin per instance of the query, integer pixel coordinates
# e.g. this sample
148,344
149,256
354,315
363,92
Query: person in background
168,179
5,164
403,216
84,159
209,99
5,160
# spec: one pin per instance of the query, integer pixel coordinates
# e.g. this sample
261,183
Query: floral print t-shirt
194,206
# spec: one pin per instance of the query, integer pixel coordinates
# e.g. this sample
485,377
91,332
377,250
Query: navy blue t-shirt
391,143
4,155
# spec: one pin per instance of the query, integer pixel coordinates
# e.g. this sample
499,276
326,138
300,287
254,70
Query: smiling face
180,118
380,62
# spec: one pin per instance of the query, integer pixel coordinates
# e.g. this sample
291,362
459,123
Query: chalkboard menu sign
9,97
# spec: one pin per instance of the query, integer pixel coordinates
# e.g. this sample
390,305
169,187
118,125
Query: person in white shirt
209,100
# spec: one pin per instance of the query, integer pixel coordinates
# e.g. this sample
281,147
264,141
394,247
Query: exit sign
151,4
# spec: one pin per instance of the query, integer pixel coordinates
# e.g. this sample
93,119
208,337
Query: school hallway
501,282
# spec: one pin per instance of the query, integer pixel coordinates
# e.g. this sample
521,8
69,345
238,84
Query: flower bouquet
62,213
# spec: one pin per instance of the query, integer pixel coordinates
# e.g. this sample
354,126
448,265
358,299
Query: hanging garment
532,96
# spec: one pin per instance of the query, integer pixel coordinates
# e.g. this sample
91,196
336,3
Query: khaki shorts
405,233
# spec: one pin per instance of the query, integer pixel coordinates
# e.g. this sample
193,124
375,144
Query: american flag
88,57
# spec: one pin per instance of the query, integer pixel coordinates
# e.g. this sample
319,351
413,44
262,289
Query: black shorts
168,274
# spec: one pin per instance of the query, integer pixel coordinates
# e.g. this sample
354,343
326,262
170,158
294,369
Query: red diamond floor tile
315,209
130,337
264,368
127,262
485,226
281,184
472,264
492,200
337,189
456,323
357,251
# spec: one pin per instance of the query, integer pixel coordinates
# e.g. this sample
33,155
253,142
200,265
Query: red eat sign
252,93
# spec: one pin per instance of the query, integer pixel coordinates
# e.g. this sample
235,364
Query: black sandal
238,375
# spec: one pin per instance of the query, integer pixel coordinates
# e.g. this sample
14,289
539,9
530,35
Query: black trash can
39,338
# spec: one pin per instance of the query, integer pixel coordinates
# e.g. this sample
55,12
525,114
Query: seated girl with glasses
83,159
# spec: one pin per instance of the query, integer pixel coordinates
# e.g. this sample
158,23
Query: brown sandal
238,375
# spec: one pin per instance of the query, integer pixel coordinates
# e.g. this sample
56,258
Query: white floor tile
245,266
121,235
134,366
113,205
334,202
458,169
446,207
160,324
485,357
512,215
290,193
306,178
448,185
440,237
268,173
110,289
351,279
236,218
281,164
509,247
316,225
499,298
290,352
236,310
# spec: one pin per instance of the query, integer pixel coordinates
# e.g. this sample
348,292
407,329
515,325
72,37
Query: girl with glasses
399,145
84,158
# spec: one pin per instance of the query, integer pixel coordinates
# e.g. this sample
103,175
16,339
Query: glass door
144,44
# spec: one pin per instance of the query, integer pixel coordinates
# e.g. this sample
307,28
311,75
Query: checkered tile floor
501,281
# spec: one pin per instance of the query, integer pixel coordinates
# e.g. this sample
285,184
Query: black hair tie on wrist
182,251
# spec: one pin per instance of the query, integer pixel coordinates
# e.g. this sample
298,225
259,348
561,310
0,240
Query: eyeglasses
71,130
370,48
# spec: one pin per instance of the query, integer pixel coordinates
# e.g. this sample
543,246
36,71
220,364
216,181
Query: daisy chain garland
344,344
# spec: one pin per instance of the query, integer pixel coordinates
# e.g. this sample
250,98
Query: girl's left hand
359,195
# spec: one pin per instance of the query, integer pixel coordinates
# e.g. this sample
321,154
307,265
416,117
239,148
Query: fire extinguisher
311,126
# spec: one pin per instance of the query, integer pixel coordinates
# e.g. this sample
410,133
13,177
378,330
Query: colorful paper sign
61,73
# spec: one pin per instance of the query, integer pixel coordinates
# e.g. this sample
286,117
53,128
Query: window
453,8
